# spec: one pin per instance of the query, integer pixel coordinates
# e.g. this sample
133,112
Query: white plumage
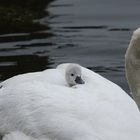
16,135
42,106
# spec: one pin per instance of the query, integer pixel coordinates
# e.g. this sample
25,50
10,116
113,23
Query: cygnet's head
73,75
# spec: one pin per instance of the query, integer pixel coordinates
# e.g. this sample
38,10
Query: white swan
48,109
132,63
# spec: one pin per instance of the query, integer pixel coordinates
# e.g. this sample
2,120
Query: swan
132,66
51,109
73,75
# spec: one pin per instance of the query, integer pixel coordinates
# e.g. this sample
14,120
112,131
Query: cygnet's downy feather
73,75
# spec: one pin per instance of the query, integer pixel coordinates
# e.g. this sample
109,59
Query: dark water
93,33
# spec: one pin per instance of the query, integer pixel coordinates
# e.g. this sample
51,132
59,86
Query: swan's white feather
46,76
18,135
97,110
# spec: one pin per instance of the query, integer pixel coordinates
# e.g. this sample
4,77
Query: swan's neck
132,66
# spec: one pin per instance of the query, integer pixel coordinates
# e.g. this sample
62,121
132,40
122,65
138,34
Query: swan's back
52,76
98,110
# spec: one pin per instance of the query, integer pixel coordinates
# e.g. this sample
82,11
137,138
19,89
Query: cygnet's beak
79,80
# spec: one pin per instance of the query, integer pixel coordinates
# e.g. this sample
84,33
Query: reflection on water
13,65
92,33
24,52
23,37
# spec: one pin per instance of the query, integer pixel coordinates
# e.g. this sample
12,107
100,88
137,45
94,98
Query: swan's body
96,110
43,107
132,63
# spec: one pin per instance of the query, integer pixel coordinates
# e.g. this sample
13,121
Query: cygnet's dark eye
72,74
